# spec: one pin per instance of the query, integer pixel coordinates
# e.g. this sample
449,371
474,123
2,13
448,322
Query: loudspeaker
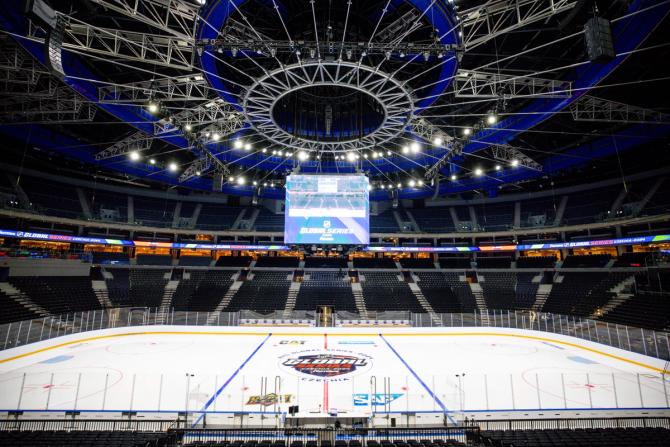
598,36
217,182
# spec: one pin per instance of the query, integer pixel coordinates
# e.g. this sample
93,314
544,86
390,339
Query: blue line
416,376
230,379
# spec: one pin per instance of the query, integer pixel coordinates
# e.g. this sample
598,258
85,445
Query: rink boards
340,370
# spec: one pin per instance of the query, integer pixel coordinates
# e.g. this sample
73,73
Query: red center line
325,380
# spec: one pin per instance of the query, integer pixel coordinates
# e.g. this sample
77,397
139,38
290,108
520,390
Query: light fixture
264,150
173,167
399,185
255,183
365,156
134,155
453,177
515,162
388,153
420,182
497,167
478,172
197,173
237,144
415,147
302,155
231,179
188,127
216,137
491,119
375,155
241,180
247,146
405,149
280,153
265,184
412,183
438,141
152,161
274,152
467,131
153,107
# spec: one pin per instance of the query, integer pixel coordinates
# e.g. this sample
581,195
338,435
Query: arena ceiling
427,97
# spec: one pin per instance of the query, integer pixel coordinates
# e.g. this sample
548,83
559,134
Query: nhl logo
325,365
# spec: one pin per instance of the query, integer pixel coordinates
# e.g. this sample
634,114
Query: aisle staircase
416,290
357,290
478,293
226,298
620,298
166,302
293,290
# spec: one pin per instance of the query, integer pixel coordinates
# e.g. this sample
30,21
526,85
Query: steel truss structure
182,88
513,155
395,100
50,106
137,141
590,108
485,22
481,84
429,132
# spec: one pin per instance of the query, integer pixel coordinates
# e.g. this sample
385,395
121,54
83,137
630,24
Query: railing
88,424
572,424
642,341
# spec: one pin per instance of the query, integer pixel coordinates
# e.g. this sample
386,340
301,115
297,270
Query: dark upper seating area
495,217
589,206
393,441
455,262
110,258
383,291
201,290
269,221
217,217
417,263
441,290
534,262
266,292
494,262
374,263
434,220
589,437
277,261
58,294
194,261
325,262
585,261
326,289
384,223
152,212
144,259
234,261
499,289
640,259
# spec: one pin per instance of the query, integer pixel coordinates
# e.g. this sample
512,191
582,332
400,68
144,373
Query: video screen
327,209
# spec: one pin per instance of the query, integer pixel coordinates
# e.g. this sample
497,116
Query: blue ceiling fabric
628,33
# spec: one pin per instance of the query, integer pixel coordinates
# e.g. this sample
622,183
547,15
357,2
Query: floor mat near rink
346,373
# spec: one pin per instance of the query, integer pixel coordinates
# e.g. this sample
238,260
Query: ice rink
353,371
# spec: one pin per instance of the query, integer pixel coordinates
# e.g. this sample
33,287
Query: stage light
197,173
375,155
201,2
280,153
216,137
478,172
388,153
241,181
302,155
288,154
467,131
438,141
420,182
231,179
453,177
399,185
351,156
173,167
264,150
247,146
265,184
274,152
134,155
153,107
152,161
497,167
491,119
515,162
415,147
255,183
405,149
412,183
237,144
365,156
188,127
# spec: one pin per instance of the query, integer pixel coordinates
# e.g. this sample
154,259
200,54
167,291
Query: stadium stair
101,292
226,299
293,290
23,299
166,302
414,287
620,297
357,290
543,292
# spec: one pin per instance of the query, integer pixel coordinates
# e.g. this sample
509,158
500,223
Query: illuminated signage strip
484,248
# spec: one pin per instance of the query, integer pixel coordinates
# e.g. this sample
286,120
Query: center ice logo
325,365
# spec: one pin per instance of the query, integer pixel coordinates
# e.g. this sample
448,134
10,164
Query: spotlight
255,183
415,147
351,156
173,167
134,155
478,172
420,182
453,177
152,161
247,146
280,153
201,2
288,154
241,180
405,149
388,153
412,183
216,137
264,150
265,184
231,179
438,141
274,152
153,107
491,119
237,144
426,55
302,155
399,185
197,173
365,156
467,131
515,162
497,167
188,127
375,155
